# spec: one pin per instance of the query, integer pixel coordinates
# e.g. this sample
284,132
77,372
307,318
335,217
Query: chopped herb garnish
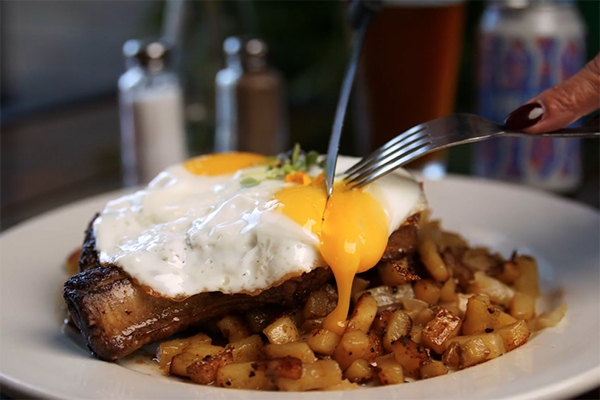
311,158
248,183
293,161
296,154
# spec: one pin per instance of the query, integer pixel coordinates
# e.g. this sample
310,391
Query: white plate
38,360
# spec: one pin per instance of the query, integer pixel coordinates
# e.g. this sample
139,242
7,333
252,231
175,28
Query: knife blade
361,14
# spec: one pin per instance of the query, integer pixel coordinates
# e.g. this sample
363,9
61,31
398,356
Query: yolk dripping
222,163
353,233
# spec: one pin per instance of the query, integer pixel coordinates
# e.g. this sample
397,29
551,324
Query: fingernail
524,117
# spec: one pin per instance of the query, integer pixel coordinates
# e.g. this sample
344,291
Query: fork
438,134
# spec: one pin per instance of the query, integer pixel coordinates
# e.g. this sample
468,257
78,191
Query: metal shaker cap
232,46
150,54
255,55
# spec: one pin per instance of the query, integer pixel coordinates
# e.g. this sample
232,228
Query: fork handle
578,132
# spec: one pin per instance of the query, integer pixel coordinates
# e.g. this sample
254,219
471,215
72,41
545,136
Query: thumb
560,105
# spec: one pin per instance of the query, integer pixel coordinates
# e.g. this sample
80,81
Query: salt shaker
151,112
249,101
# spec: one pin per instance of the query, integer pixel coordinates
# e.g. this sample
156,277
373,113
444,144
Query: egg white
186,234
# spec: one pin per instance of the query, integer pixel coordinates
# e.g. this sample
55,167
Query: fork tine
389,151
385,149
391,166
390,158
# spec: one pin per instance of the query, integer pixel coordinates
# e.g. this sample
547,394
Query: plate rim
585,382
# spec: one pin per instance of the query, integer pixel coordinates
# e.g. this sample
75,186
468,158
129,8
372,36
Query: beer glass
409,70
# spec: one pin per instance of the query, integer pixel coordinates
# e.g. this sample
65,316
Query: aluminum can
524,48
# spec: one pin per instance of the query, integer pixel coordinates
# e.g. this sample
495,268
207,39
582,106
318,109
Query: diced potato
233,328
283,330
478,259
382,318
386,295
353,345
481,316
398,325
434,368
359,371
463,300
243,376
204,371
247,349
169,349
416,333
428,291
257,319
323,341
277,368
410,355
528,280
451,355
358,286
364,313
310,324
297,350
320,374
424,316
430,257
453,307
413,307
438,331
522,306
375,348
448,291
462,274
320,302
497,291
190,355
388,272
493,342
514,335
507,272
452,241
389,371
472,352
345,385
547,320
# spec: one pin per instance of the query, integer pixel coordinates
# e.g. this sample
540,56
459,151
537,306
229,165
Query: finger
562,104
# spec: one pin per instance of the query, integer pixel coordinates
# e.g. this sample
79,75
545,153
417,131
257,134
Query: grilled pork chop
117,316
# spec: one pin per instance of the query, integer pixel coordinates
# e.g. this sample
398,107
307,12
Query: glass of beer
409,66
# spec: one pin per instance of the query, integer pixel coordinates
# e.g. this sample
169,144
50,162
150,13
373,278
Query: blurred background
61,62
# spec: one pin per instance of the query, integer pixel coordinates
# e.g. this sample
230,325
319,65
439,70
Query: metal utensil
438,134
360,15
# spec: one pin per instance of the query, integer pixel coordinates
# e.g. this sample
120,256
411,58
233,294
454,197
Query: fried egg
222,223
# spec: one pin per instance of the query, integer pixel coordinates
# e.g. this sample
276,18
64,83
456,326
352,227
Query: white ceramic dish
37,360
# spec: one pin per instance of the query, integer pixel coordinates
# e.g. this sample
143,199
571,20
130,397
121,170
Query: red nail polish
524,117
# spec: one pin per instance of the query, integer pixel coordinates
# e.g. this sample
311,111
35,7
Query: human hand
560,105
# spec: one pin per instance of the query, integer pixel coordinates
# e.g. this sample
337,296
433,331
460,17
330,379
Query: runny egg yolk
352,228
222,163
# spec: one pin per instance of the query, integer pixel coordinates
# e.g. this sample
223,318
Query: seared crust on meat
116,316
89,255
404,240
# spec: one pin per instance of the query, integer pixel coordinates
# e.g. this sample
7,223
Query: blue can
526,47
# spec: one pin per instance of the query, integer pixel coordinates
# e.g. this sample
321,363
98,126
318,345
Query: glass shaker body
152,123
